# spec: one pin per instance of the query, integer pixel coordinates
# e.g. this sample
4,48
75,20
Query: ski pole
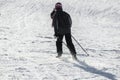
80,45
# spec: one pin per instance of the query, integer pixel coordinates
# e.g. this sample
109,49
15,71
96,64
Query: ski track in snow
27,45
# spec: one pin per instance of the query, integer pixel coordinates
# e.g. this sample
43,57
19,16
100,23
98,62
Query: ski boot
74,57
59,55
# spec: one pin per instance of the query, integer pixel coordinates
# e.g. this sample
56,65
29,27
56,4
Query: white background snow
27,45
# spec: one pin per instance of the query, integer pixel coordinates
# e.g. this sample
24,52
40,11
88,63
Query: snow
27,45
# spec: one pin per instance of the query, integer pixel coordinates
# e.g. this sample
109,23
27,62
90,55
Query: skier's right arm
55,24
53,13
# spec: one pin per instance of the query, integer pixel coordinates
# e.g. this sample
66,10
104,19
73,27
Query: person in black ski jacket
61,21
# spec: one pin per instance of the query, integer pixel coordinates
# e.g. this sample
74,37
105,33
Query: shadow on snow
93,70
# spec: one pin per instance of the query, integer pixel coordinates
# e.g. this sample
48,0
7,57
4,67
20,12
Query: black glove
56,34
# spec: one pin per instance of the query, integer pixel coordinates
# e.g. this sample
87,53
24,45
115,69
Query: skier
61,21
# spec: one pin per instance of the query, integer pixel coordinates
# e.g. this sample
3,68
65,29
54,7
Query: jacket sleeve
55,24
70,21
53,14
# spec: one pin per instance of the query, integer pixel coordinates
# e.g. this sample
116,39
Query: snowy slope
27,45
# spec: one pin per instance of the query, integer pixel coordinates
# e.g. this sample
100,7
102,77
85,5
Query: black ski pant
68,41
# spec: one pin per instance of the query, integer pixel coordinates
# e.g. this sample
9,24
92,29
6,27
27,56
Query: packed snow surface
27,45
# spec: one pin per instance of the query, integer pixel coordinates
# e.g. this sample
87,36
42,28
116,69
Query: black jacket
61,22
